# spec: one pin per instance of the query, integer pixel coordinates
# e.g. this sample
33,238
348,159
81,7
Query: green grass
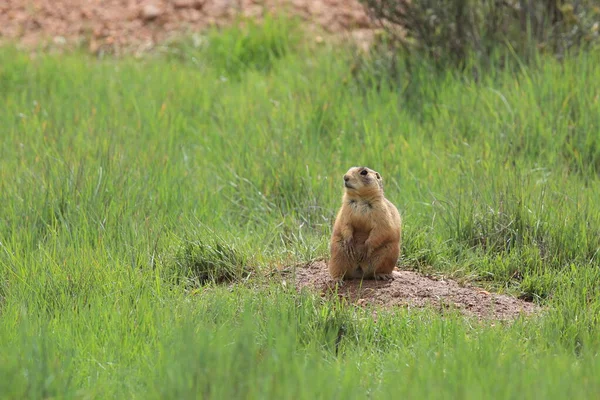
127,186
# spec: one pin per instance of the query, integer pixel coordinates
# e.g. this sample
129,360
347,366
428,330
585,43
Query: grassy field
127,186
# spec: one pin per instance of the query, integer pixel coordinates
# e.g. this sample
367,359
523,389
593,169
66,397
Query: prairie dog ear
379,180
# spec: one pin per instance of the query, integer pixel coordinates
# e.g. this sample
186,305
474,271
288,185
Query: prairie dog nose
346,178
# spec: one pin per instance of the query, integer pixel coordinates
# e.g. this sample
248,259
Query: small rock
60,40
93,46
192,15
183,3
217,8
150,12
254,11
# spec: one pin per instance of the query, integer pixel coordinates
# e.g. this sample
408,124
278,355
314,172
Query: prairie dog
367,232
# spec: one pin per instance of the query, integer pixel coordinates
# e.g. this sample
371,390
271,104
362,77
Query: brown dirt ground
138,25
413,290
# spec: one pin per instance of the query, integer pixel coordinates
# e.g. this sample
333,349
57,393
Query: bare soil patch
125,25
411,289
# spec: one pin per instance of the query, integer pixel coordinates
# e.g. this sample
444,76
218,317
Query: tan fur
367,232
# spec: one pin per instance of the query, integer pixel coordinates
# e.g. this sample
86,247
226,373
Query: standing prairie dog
367,232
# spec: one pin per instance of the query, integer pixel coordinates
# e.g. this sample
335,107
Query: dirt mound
410,289
140,24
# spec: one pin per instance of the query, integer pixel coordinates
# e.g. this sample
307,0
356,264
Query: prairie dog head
360,182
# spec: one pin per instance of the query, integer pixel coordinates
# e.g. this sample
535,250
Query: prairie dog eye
364,172
377,175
